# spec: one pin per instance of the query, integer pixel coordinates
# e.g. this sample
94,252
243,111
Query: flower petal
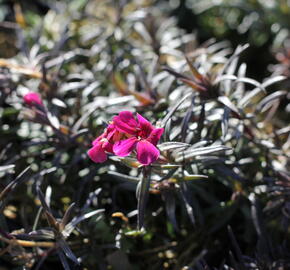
110,131
128,117
147,153
107,146
155,135
125,122
145,125
97,140
125,147
97,153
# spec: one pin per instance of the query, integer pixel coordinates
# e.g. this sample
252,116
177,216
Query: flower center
104,140
141,134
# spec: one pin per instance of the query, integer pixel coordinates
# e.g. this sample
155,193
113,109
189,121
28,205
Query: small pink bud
32,98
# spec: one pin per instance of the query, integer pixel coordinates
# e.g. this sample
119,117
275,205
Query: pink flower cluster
126,134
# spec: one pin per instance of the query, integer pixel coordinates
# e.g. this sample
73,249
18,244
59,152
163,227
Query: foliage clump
213,195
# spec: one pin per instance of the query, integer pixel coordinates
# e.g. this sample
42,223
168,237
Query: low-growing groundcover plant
126,144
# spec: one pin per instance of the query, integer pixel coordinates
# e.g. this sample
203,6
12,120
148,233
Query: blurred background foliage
263,24
214,74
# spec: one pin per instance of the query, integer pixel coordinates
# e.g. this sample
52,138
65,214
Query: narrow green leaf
142,196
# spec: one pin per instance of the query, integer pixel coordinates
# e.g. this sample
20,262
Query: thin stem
25,243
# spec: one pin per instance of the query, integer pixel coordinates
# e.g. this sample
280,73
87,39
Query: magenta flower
126,134
32,98
104,143
143,137
98,152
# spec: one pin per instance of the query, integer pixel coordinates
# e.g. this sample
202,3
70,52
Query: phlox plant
128,143
126,134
